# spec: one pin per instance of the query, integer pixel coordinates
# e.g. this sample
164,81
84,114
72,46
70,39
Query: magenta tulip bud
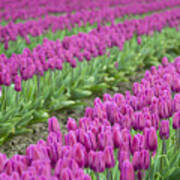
70,138
151,139
107,97
79,173
79,154
136,160
86,177
89,112
33,153
109,157
71,124
139,122
3,160
176,102
17,82
135,144
116,64
91,158
127,172
93,141
176,120
139,40
164,129
165,108
15,176
66,174
8,167
117,138
119,99
144,159
165,61
126,136
42,167
99,162
122,156
53,125
155,120
176,84
54,137
4,176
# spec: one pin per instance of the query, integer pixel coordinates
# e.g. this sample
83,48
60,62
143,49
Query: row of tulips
36,28
13,10
122,132
67,88
52,55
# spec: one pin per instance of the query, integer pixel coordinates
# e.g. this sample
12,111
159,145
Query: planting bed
90,90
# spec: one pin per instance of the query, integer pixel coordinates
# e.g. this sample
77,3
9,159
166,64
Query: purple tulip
127,172
176,120
151,139
164,129
71,124
53,125
109,157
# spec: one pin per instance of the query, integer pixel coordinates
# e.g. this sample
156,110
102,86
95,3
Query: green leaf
79,93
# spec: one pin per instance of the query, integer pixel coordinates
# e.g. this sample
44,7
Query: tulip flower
127,172
164,129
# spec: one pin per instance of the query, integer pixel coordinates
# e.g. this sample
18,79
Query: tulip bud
139,40
109,157
66,174
151,139
139,122
107,97
116,64
117,138
70,138
176,120
86,177
136,160
99,162
122,156
144,159
176,102
165,61
135,144
8,167
127,172
155,120
18,83
164,129
3,160
15,176
53,125
79,154
71,124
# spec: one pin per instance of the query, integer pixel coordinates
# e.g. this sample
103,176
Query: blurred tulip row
53,54
128,136
36,28
14,9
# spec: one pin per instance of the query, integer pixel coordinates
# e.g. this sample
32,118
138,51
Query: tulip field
90,90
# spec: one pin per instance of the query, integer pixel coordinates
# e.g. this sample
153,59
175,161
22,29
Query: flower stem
109,174
162,163
97,176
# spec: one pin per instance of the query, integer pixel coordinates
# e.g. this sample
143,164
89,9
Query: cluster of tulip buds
51,55
91,142
38,27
